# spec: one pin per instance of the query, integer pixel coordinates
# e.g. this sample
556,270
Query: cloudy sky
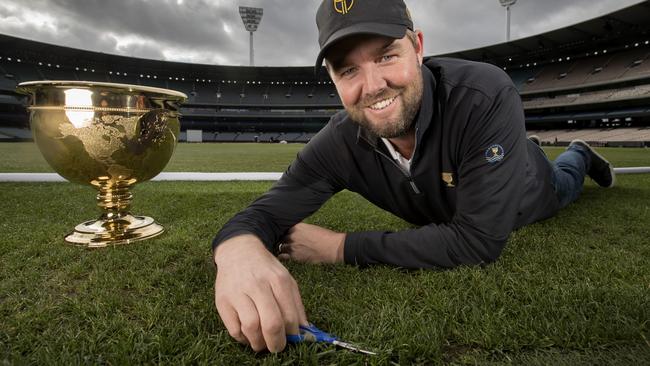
211,31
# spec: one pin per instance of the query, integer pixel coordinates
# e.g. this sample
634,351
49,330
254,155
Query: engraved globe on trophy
110,136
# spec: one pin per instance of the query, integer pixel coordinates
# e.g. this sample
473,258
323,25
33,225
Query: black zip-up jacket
474,176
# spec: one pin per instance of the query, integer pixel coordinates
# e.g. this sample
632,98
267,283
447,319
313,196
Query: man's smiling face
379,81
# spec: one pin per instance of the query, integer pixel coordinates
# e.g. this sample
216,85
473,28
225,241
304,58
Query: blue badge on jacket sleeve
494,153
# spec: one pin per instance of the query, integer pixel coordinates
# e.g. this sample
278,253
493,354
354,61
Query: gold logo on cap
343,6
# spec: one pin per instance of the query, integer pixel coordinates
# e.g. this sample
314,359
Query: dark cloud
287,34
196,30
465,24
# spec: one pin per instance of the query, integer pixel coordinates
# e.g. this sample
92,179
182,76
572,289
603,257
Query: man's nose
374,81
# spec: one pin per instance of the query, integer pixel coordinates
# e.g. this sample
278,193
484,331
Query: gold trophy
110,136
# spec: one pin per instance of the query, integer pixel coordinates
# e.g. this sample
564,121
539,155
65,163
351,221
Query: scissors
309,333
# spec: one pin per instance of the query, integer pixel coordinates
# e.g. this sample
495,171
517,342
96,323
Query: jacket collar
422,118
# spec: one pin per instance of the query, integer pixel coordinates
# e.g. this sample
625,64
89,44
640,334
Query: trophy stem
116,225
114,198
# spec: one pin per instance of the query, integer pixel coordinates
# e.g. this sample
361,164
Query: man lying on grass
441,144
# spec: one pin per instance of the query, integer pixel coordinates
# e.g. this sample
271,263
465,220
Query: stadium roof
613,30
37,51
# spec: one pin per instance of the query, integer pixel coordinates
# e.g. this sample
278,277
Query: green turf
240,157
572,290
245,157
619,156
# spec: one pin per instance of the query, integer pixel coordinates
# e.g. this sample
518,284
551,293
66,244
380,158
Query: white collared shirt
402,161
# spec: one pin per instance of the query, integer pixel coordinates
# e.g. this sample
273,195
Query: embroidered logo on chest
494,154
448,178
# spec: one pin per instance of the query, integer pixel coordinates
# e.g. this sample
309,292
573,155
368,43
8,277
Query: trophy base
102,233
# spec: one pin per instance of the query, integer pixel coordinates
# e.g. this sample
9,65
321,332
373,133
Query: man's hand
313,244
256,297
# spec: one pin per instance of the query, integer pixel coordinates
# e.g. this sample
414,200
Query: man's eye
347,72
387,58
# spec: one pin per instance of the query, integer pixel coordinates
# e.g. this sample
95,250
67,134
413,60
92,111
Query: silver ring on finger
285,248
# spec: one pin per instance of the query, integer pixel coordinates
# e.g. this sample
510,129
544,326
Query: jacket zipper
406,173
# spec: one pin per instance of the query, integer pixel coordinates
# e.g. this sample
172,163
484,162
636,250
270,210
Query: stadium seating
20,71
225,137
7,84
254,94
15,133
521,76
585,98
632,92
205,93
208,136
270,137
548,76
616,66
593,70
228,93
639,67
596,136
289,136
246,137
54,72
151,81
89,75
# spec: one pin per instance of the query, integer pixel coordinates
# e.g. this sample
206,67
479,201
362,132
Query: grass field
243,157
571,290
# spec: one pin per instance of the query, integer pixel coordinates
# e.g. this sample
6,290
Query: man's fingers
284,290
230,319
300,308
250,322
252,312
271,319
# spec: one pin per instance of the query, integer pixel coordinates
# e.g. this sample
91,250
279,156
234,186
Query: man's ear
420,50
328,68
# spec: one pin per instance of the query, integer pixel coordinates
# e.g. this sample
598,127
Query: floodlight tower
507,4
251,18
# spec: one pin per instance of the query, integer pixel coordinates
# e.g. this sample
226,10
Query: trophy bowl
110,136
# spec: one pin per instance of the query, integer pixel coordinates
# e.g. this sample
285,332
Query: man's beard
400,126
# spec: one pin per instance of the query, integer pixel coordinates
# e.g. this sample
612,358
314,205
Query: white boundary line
213,177
632,170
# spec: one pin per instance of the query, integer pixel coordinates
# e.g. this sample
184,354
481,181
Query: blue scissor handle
309,333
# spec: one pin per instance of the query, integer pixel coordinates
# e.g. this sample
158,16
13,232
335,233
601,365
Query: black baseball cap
338,19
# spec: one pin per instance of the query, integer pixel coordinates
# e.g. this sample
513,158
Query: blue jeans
569,170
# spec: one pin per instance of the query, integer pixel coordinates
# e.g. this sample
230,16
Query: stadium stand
7,84
589,80
226,137
590,98
15,134
549,76
19,71
622,66
639,67
289,137
630,137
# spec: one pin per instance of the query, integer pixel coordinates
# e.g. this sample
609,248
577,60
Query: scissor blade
352,347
